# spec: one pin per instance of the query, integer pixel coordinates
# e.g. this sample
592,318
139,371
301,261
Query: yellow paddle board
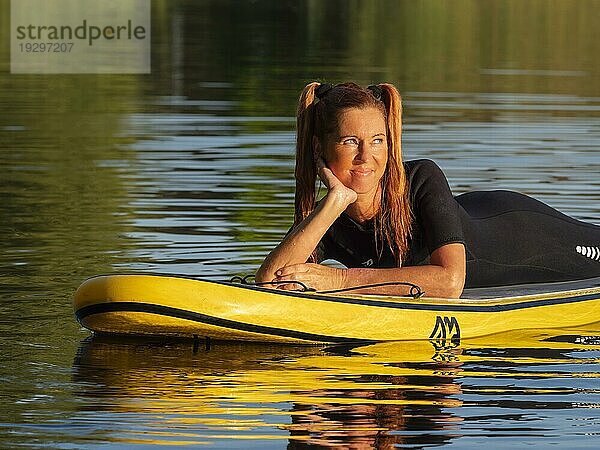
165,305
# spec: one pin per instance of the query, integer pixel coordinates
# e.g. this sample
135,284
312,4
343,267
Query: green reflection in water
65,212
269,50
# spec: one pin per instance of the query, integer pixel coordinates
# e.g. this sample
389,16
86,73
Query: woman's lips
362,172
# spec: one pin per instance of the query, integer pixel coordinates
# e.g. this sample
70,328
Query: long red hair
319,117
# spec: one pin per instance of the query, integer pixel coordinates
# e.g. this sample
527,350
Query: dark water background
189,170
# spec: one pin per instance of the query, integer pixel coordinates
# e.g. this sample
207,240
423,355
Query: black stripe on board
206,319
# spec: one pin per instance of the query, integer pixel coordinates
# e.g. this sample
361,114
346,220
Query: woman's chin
363,188
361,184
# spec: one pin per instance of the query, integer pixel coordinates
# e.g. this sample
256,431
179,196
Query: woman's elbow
448,285
454,293
455,284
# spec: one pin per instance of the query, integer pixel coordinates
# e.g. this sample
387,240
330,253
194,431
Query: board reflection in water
377,396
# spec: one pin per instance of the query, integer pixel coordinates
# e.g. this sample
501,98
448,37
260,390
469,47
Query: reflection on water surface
405,393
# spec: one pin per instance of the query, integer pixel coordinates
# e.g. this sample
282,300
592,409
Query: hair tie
376,91
322,90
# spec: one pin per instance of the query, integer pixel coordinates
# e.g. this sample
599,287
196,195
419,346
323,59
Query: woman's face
357,153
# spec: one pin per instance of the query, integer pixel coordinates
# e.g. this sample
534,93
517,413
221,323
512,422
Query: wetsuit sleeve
434,206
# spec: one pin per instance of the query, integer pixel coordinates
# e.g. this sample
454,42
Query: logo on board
446,329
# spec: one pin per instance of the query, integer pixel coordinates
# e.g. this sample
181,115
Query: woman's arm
297,246
443,277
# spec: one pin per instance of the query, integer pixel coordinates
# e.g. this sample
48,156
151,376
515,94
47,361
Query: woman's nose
364,151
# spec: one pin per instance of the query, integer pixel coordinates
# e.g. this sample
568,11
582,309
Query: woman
392,221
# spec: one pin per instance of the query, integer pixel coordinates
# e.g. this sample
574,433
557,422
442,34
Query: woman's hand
334,185
316,276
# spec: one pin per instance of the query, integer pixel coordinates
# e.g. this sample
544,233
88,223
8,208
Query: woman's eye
351,141
378,141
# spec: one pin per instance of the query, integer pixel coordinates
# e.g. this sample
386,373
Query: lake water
189,170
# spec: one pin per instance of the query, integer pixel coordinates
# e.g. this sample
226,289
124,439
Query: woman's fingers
289,271
329,178
325,174
333,183
289,287
296,272
310,275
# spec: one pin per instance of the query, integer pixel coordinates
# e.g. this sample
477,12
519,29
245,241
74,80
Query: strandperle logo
85,32
80,36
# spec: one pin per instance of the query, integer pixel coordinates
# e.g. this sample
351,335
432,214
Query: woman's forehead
361,120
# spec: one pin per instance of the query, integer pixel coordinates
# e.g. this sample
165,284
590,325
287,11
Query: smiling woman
392,221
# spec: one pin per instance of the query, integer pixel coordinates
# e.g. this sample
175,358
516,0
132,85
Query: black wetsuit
510,238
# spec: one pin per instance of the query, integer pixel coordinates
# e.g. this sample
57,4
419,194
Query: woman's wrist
340,198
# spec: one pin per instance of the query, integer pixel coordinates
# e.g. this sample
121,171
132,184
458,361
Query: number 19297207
46,47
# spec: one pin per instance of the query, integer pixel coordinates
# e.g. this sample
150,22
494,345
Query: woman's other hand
316,276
